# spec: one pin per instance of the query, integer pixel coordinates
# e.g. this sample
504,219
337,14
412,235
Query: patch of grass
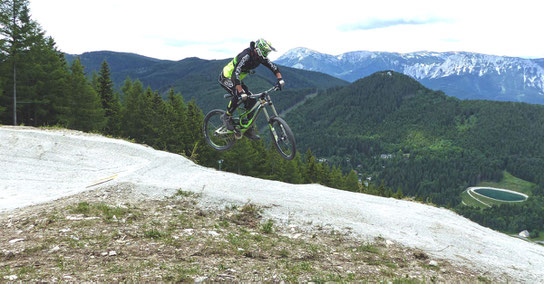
334,278
40,247
248,215
470,201
512,183
24,271
431,267
267,227
73,243
60,262
185,274
294,269
251,209
238,240
389,264
117,268
183,193
101,209
367,247
406,281
540,237
82,208
154,234
284,253
222,224
184,221
108,212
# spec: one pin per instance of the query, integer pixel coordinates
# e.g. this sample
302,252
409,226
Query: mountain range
196,78
463,75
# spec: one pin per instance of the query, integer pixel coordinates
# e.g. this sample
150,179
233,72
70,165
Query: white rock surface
37,166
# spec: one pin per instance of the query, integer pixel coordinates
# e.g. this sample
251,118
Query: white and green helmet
263,47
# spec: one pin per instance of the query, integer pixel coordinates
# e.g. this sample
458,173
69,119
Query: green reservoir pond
501,195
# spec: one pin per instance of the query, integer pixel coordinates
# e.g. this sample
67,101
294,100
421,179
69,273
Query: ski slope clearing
38,166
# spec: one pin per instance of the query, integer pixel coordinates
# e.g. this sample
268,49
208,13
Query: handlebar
256,96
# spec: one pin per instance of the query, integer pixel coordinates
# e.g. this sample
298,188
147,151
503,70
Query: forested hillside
196,78
393,130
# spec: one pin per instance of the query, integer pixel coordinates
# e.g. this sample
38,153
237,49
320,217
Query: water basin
501,194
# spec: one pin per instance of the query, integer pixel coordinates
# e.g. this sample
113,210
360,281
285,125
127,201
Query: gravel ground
44,165
112,234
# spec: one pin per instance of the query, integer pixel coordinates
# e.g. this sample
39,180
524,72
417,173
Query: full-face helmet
263,48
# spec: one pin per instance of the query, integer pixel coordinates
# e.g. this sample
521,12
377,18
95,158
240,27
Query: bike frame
263,100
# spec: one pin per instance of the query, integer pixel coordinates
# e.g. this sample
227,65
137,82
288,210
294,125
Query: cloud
372,24
170,29
174,42
181,43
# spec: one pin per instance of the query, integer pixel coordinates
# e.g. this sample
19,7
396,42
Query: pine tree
159,118
337,179
275,165
176,123
145,111
324,174
132,121
110,100
380,190
258,158
196,143
234,159
351,182
2,109
49,78
86,111
12,39
292,172
311,168
28,61
398,194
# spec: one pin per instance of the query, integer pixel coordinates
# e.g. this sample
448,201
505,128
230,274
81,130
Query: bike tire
283,137
215,133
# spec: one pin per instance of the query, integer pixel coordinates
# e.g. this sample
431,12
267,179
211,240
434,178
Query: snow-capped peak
514,78
298,53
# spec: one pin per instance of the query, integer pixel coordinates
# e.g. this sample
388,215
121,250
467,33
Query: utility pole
14,72
14,95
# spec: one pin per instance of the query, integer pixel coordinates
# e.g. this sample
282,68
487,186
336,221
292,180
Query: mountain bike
220,138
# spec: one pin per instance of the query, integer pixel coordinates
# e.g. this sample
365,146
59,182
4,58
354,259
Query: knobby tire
215,133
283,138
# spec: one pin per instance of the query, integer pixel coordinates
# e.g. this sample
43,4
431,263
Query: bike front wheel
215,132
283,137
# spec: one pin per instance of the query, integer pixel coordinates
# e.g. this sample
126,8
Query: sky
210,29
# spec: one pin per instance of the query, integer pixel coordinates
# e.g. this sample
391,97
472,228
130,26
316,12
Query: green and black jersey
247,60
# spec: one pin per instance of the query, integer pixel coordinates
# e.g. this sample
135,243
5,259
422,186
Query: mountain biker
233,73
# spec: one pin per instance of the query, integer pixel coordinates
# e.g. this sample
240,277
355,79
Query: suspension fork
269,102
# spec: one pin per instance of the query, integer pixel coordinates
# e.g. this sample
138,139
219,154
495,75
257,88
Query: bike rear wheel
283,137
215,132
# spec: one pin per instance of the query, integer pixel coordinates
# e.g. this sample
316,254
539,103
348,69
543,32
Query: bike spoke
216,133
